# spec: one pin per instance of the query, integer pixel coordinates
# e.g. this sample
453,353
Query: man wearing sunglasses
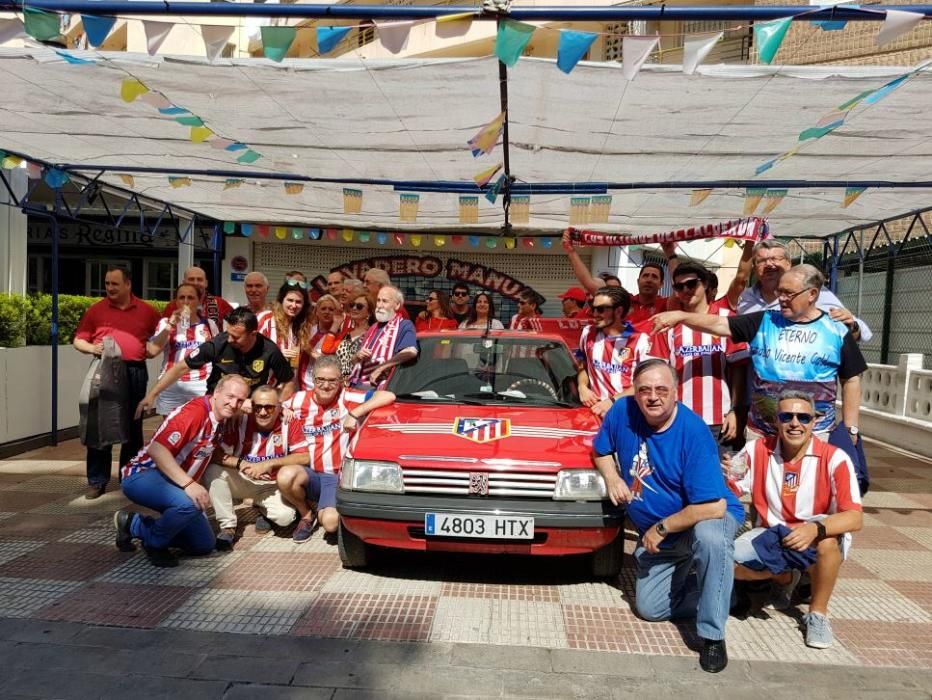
253,447
807,501
210,306
610,346
798,347
710,368
459,302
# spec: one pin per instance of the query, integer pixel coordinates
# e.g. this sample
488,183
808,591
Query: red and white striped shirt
269,328
327,443
182,342
640,312
243,438
190,433
822,482
700,360
610,360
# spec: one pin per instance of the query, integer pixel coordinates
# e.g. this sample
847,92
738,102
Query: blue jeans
182,524
666,590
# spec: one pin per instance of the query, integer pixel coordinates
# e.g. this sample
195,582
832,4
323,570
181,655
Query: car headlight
579,485
367,475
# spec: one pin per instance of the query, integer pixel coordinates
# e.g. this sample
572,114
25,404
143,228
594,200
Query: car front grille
461,483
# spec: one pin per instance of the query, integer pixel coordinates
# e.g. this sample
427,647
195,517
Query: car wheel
354,553
606,562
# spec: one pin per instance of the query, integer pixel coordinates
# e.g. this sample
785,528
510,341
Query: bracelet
354,417
190,481
239,461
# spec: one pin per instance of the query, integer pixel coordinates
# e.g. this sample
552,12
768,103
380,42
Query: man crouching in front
164,476
667,472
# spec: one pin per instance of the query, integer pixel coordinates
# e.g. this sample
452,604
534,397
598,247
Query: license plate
495,527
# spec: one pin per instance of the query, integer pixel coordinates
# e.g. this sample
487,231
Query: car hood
496,438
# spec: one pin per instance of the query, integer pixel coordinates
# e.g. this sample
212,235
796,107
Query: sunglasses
688,284
359,307
326,382
787,417
461,294
602,308
297,283
431,298
263,407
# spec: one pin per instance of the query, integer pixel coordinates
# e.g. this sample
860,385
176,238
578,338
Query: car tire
354,553
606,562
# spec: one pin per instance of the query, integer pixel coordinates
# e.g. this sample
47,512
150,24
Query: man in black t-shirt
459,302
240,350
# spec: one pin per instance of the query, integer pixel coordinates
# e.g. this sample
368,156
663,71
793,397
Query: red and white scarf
382,344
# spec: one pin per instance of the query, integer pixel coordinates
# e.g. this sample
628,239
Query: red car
487,449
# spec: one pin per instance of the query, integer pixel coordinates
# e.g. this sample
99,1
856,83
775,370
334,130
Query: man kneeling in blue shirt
667,472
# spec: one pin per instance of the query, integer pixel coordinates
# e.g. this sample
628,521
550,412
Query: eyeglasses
688,284
264,407
461,294
326,382
297,283
602,308
359,307
431,298
788,416
774,259
789,296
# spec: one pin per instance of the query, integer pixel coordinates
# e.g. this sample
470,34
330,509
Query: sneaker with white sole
781,596
818,631
304,529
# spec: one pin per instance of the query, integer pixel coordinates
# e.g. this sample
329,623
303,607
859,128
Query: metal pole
860,274
887,308
216,250
660,13
833,273
506,163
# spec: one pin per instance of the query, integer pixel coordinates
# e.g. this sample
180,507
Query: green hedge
27,320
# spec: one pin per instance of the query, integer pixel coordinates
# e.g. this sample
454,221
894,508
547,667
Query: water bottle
184,322
739,465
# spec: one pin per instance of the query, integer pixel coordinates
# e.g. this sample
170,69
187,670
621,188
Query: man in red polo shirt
131,322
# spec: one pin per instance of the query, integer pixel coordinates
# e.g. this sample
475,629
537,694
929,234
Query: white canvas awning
410,120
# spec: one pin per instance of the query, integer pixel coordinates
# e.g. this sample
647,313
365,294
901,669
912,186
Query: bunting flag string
276,41
352,201
156,34
407,208
486,138
511,40
232,183
97,28
492,193
520,209
9,162
772,199
41,25
698,197
635,50
752,197
11,29
851,195
896,23
216,38
697,48
56,178
75,60
600,209
329,37
177,182
753,228
482,179
294,187
579,210
768,36
394,35
573,46
469,209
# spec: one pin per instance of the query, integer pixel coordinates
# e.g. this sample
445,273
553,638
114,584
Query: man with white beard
390,341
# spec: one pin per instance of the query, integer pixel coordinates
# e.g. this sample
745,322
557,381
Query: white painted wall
13,235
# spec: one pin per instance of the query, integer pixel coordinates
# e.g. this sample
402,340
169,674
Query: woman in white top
482,315
175,338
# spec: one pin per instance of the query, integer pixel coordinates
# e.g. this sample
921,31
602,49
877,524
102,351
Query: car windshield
505,370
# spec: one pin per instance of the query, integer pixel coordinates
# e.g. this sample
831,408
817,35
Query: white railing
896,404
919,395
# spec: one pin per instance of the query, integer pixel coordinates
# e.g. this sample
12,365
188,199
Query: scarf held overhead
752,228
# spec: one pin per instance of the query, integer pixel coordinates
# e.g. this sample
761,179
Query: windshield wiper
424,396
505,396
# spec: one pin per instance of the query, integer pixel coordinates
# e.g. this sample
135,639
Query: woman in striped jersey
288,323
175,338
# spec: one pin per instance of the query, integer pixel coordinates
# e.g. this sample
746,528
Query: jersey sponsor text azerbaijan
327,443
242,437
610,360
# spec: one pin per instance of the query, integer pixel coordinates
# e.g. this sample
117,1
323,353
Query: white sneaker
780,596
818,631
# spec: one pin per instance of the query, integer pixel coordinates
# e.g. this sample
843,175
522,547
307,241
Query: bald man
213,307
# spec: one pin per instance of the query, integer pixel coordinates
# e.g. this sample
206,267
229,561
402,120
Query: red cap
576,294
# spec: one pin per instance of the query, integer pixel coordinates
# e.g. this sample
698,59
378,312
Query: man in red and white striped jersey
609,347
809,487
252,450
329,415
164,476
710,368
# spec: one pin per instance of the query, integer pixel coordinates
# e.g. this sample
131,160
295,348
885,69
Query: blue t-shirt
665,471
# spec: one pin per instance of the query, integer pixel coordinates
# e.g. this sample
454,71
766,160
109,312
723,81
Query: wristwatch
662,529
853,431
821,530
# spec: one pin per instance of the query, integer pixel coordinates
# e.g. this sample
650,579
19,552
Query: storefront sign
39,232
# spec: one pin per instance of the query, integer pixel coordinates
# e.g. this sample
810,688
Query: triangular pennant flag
10,162
128,180
229,227
573,46
220,143
249,156
156,34
281,233
41,25
510,243
511,39
831,117
399,239
469,209
189,120
635,50
131,88
896,24
851,194
881,92
527,242
263,230
11,29
407,208
491,242
547,242
456,240
449,26
232,183
33,171
381,238
772,199
276,41
474,241
492,193
520,209
155,99
416,241
698,197
696,48
314,233
329,37
482,179
236,146
764,167
768,36
828,25
364,236
752,197
199,134
352,200
216,38
394,35
297,234
74,60
246,229
173,110
177,182
486,138
818,132
579,210
600,209
56,178
294,187
97,29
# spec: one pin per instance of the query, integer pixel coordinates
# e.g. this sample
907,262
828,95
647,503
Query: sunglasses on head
788,416
297,283
602,308
688,284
